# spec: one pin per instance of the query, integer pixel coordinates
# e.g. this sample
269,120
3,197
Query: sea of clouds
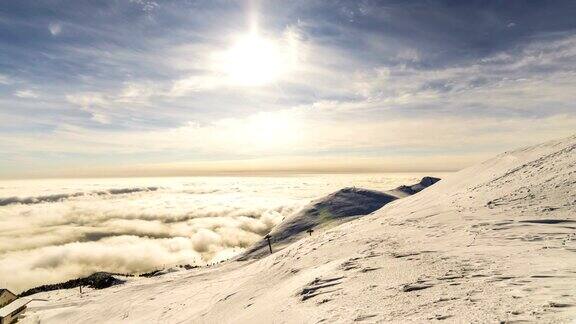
55,230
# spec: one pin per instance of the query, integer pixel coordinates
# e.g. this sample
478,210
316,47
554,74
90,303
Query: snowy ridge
329,211
492,243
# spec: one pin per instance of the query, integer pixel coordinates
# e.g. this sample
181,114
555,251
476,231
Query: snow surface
492,243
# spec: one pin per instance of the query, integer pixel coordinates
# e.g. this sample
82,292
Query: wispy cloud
148,6
159,73
4,79
55,28
27,93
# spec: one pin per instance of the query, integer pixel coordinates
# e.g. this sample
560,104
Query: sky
183,87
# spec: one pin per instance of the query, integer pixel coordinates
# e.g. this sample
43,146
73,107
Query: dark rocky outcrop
98,280
159,272
410,190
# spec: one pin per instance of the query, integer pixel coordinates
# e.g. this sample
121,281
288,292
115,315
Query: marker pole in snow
268,237
309,231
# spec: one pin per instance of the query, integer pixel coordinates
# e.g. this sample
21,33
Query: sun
253,60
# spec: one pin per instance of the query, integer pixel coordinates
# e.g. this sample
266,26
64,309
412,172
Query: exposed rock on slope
98,280
404,191
332,210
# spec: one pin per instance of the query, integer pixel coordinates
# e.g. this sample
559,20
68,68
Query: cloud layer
183,221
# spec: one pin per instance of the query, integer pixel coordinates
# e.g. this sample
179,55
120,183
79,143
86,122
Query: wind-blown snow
492,243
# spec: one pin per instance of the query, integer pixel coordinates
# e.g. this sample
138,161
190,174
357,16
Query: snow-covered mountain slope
329,211
492,243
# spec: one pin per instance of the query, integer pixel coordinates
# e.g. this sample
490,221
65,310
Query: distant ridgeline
334,209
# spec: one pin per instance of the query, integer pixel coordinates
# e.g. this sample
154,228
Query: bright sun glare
269,130
255,61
